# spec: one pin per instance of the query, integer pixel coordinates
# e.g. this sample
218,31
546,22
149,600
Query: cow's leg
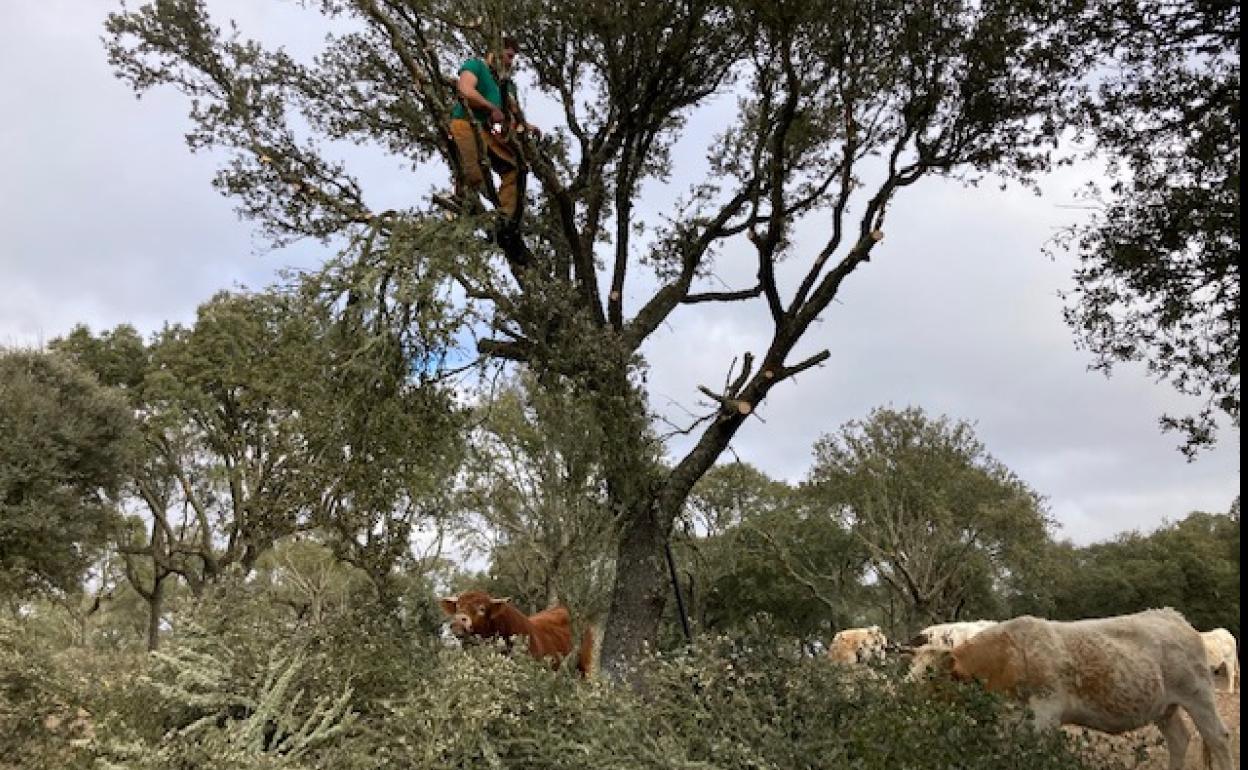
1217,744
1177,738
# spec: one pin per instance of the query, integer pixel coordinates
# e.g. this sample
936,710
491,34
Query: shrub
369,695
728,703
42,722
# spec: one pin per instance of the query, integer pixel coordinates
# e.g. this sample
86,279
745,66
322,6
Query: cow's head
473,613
928,660
993,658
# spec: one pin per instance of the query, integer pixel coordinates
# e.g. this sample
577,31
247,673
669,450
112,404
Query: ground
1143,749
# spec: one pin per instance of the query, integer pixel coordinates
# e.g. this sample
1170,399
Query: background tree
841,107
305,576
534,482
260,421
749,545
1158,280
385,441
214,482
67,441
942,521
1191,564
706,541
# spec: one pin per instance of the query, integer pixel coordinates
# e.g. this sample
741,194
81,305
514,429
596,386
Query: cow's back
858,645
1163,637
551,634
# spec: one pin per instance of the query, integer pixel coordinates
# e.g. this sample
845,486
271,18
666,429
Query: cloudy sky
107,218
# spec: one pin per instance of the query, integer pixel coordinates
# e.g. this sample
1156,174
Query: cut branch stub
726,404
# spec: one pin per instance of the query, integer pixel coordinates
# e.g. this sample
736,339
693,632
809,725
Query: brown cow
1110,674
549,632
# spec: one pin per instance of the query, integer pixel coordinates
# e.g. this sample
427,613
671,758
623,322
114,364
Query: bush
355,695
729,703
42,721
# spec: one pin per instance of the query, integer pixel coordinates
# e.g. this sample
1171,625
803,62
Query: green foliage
304,575
242,681
752,545
237,686
1158,280
118,357
942,520
731,703
1191,565
66,445
266,725
535,485
39,717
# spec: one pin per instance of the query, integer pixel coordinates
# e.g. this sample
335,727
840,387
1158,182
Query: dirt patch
1144,749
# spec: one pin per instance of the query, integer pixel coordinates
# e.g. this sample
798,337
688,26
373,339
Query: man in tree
485,87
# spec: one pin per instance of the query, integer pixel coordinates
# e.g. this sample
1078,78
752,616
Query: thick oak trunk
155,606
637,599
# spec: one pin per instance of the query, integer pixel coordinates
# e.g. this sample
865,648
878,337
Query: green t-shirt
487,86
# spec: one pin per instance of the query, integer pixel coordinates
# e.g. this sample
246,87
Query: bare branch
723,296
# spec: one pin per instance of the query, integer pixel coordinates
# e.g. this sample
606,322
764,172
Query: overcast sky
107,218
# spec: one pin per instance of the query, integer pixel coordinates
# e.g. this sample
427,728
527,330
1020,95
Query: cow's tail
585,657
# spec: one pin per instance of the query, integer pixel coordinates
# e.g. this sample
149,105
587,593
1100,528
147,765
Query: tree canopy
64,456
943,522
1191,564
1158,280
265,419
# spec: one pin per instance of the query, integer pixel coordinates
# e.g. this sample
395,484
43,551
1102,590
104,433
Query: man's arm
467,87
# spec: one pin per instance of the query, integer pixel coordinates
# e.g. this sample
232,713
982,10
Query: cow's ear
449,604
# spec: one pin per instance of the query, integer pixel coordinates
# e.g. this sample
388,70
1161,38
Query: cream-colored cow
950,635
928,645
1109,674
1221,650
858,645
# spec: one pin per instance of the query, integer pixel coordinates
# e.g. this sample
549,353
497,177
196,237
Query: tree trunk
637,598
642,578
155,605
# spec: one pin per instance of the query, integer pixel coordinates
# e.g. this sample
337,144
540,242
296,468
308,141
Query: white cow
1109,674
1220,648
858,645
928,645
950,635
